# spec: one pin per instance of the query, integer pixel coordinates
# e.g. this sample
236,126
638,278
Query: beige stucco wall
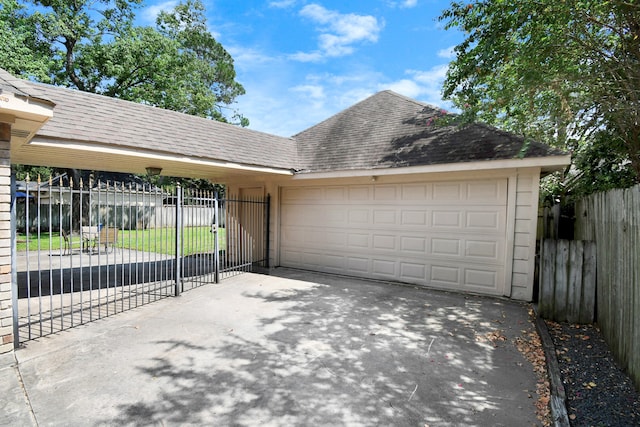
522,214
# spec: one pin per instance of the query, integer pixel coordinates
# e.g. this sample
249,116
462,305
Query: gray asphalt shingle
81,116
386,130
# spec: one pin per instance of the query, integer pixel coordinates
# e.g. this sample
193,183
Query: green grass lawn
160,240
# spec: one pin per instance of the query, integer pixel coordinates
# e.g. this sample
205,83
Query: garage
445,234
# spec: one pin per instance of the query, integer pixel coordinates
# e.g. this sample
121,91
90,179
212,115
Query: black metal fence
83,254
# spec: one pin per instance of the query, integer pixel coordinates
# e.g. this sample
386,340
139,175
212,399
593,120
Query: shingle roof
388,130
18,87
81,116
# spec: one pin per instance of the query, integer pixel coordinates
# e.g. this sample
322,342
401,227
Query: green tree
563,72
177,65
94,46
21,51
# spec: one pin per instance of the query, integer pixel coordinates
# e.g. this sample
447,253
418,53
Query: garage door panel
358,241
480,278
359,193
482,220
415,192
413,244
385,192
384,242
414,217
384,217
359,216
447,192
446,219
448,247
307,195
443,274
358,265
450,235
386,268
485,191
411,272
482,249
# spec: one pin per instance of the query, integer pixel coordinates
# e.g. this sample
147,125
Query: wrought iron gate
83,254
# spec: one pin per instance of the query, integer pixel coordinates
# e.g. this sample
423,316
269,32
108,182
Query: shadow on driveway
292,348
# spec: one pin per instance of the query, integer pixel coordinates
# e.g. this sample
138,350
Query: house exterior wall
526,223
6,288
521,215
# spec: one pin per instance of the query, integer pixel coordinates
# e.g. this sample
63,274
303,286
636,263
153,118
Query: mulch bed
599,392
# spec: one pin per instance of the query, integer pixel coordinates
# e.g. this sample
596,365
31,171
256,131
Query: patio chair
108,238
89,236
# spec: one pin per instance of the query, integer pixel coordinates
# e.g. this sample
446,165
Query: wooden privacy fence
612,220
568,280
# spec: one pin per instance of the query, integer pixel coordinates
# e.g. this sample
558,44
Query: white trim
535,201
136,152
25,108
547,163
512,195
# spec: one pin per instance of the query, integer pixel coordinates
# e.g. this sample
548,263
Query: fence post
178,242
266,234
14,254
216,249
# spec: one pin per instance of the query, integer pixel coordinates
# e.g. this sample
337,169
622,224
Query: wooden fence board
562,279
588,306
574,295
612,220
547,275
567,280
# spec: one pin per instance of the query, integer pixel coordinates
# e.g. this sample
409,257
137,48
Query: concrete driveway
292,348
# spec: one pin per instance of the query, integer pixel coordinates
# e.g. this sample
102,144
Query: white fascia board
25,108
150,155
546,163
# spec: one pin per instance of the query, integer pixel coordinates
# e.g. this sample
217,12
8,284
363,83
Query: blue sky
303,61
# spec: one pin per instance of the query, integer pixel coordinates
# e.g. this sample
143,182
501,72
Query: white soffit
151,157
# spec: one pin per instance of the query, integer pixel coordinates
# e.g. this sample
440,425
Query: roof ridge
415,101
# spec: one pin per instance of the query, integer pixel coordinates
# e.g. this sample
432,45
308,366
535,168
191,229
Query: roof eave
141,159
546,164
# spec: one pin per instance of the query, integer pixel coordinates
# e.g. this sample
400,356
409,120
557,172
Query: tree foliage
563,72
21,51
95,46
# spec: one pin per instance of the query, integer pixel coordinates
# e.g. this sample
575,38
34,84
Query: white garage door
449,235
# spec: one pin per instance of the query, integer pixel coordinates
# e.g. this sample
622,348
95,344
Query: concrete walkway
292,348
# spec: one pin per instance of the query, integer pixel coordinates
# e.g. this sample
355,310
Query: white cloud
423,85
150,13
315,56
339,32
405,87
406,4
433,77
282,4
248,58
447,53
313,91
409,3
